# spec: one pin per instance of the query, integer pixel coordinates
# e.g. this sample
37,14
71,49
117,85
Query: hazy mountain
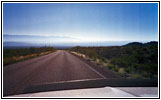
152,43
56,41
38,39
134,44
142,44
18,44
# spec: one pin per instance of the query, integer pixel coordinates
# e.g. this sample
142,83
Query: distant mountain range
142,44
37,39
10,44
58,41
24,44
68,45
35,36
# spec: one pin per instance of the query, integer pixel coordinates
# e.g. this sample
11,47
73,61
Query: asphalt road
55,67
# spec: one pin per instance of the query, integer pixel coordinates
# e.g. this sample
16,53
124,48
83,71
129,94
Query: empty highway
55,67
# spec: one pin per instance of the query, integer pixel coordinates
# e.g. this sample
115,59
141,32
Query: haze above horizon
80,22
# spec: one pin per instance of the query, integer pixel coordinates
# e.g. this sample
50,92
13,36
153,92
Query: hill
134,44
136,60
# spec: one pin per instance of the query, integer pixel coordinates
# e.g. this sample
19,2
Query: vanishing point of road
55,67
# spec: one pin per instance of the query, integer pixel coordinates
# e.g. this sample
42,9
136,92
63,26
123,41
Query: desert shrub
25,51
110,66
135,58
137,76
19,54
116,68
121,71
130,69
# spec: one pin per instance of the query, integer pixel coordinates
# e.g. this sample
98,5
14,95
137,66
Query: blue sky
83,22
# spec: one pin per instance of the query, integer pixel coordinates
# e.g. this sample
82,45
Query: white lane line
91,68
69,81
94,70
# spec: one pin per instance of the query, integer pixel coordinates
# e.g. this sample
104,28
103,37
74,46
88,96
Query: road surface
55,67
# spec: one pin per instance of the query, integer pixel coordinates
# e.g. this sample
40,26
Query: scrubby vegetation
134,60
12,55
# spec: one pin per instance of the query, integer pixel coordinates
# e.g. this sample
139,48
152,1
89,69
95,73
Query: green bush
134,57
17,54
110,66
116,68
130,69
137,76
25,51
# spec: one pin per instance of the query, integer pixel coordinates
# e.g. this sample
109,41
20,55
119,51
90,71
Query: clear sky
85,22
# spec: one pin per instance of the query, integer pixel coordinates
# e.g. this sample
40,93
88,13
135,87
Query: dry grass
121,71
97,61
79,54
44,53
14,59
